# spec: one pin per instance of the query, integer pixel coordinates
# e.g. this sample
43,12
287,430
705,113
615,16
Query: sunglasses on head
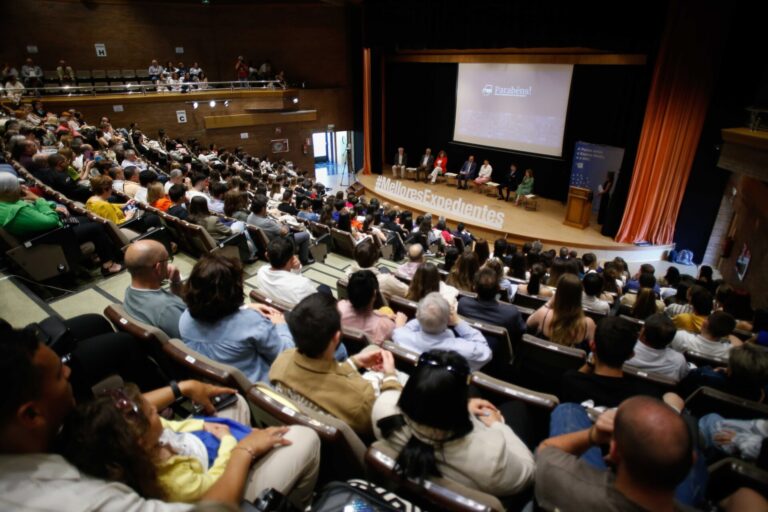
123,403
427,359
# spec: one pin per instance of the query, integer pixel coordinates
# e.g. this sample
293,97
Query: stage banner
591,165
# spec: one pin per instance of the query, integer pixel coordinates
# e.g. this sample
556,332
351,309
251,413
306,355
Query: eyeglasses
427,359
123,403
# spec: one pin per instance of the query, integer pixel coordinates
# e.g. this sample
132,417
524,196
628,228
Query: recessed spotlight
295,100
212,103
195,104
226,103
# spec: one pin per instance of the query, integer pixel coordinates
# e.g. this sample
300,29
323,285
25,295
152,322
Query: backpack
684,257
359,495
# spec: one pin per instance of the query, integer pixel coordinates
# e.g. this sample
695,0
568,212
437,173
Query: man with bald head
415,259
145,299
649,446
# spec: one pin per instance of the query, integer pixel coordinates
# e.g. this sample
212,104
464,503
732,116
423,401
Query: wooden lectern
579,207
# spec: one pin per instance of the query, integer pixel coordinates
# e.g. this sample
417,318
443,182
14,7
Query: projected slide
520,107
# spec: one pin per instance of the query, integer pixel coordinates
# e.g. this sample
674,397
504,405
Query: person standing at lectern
510,183
467,172
441,166
399,162
604,191
425,165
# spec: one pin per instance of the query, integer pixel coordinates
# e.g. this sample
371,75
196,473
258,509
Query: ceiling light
195,104
226,103
212,103
295,100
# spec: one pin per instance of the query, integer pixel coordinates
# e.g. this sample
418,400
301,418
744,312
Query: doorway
333,153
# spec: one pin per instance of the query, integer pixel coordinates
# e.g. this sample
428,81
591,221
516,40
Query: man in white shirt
714,338
282,280
590,299
32,74
652,352
176,178
199,184
130,158
14,89
399,161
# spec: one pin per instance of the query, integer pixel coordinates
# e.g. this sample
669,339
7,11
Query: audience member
274,229
746,375
438,431
415,259
358,310
534,286
435,327
217,324
713,340
646,473
98,203
281,280
200,215
562,319
487,309
178,195
701,304
427,280
312,371
462,274
366,256
593,289
652,351
602,381
146,300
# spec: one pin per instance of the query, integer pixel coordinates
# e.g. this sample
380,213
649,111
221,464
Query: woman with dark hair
462,274
236,204
218,325
534,285
669,283
482,250
326,215
120,437
645,304
508,290
562,319
363,308
517,266
604,191
439,432
451,255
200,215
706,278
427,280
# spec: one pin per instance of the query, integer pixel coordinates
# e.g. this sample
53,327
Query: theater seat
343,243
539,364
700,359
342,451
354,340
706,400
405,360
660,381
528,301
404,306
501,346
434,493
261,298
728,475
204,368
52,254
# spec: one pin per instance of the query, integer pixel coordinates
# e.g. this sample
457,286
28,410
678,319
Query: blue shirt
467,341
308,216
246,339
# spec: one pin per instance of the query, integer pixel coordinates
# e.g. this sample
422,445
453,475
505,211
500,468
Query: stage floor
519,224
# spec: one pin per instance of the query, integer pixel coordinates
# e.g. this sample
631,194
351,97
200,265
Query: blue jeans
570,417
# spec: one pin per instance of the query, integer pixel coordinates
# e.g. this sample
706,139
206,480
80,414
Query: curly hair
214,288
102,441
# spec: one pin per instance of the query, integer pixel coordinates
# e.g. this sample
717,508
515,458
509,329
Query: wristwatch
177,395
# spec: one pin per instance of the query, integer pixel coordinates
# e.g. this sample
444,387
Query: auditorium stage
486,216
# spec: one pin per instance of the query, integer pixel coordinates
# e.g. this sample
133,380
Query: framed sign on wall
279,145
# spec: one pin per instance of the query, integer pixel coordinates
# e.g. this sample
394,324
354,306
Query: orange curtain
366,111
674,117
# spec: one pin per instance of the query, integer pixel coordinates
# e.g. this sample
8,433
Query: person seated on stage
218,325
652,351
426,164
510,182
562,319
463,272
525,188
399,161
24,215
467,172
651,449
366,256
427,280
438,431
441,166
312,371
415,259
484,176
435,327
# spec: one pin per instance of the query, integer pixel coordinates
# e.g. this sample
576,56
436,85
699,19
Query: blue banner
591,165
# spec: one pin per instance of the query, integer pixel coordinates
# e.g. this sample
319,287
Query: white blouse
485,171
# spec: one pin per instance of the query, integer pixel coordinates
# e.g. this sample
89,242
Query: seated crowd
66,443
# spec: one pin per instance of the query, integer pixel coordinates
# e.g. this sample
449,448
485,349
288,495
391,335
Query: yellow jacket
105,209
183,478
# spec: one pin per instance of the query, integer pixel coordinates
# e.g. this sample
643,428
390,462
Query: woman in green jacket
24,215
526,187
